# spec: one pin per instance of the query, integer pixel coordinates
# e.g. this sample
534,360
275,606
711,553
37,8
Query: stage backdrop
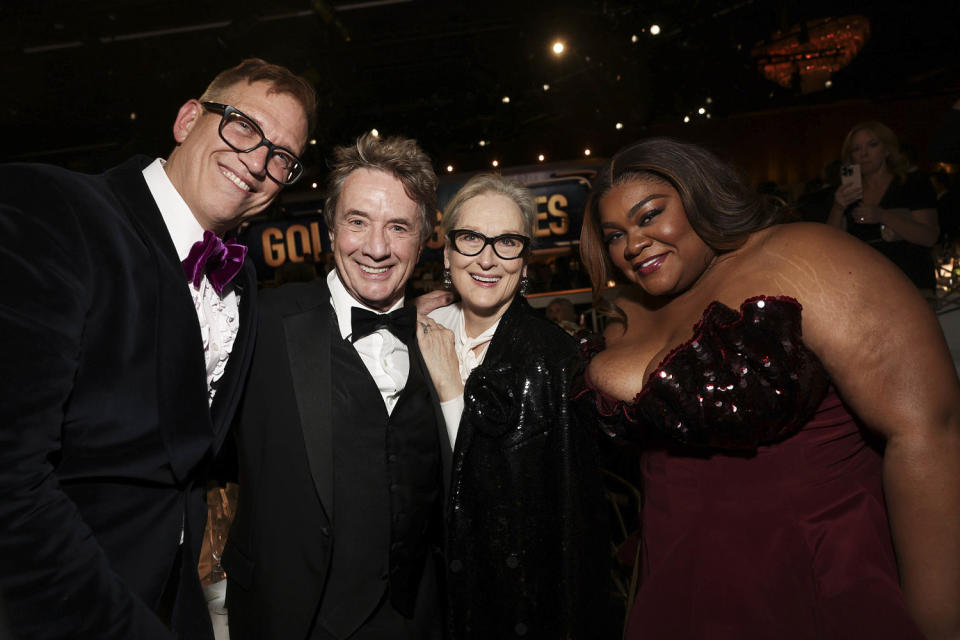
300,235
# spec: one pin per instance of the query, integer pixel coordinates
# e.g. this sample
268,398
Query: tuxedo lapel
181,372
308,349
446,451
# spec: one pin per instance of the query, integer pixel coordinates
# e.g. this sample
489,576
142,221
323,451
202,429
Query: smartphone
850,173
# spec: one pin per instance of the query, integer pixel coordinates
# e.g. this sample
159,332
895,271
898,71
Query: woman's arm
919,226
887,356
437,348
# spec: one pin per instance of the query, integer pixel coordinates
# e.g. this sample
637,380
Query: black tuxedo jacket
278,554
105,430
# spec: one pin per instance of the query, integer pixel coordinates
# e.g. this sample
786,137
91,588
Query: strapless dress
763,512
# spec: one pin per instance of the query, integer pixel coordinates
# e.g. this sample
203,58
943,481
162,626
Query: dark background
86,84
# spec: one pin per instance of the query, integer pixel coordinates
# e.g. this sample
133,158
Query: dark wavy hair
721,208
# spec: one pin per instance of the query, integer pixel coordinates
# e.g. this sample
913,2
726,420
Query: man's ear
187,117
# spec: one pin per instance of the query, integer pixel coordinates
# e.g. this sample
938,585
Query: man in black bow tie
340,441
126,324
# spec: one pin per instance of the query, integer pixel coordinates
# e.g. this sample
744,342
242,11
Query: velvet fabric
106,433
763,513
220,261
526,544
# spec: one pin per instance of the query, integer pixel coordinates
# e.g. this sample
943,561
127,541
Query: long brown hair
719,205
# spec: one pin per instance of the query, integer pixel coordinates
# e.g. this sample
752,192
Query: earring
447,280
524,285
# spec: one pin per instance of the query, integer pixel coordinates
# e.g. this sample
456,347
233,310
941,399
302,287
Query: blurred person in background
891,209
563,312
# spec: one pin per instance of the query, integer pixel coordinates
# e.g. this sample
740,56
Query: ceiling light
701,110
546,87
374,133
586,152
634,38
495,163
541,157
505,99
558,47
654,29
449,168
618,126
686,118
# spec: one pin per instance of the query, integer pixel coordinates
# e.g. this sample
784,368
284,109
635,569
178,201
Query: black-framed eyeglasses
244,135
508,246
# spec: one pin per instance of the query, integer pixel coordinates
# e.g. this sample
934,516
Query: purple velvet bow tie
221,261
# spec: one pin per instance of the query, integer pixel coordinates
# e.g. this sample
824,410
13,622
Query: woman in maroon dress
745,357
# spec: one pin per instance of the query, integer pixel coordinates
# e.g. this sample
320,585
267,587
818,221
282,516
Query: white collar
467,343
181,224
342,302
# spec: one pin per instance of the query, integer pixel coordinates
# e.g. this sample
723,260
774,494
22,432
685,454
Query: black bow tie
400,322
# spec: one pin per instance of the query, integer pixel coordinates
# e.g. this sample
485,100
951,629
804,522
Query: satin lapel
181,371
418,365
230,386
308,349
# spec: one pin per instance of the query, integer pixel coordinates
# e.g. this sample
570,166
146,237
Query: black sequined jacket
526,555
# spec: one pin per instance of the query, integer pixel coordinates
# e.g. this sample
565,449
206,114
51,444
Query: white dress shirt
384,355
218,314
469,357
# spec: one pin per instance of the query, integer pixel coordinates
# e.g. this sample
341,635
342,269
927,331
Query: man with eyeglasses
126,328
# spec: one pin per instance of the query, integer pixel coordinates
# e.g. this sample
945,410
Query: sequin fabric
763,511
526,544
745,378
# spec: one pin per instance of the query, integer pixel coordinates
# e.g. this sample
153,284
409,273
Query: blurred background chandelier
805,56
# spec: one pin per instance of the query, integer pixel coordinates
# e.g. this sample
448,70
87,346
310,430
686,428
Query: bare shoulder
807,260
807,241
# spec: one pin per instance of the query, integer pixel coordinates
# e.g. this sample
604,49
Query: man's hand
433,300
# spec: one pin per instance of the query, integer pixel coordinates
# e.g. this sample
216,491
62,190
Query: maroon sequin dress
763,511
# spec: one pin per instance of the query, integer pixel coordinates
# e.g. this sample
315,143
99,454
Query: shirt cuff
452,410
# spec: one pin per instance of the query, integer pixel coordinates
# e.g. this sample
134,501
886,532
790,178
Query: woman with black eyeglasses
525,553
